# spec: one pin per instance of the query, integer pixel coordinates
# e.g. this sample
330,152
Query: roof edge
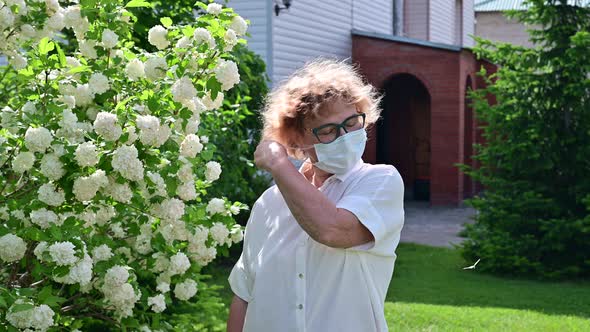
407,40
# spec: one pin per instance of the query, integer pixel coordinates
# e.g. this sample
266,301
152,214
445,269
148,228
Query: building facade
417,53
492,23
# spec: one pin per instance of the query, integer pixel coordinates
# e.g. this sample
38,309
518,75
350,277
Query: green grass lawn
430,291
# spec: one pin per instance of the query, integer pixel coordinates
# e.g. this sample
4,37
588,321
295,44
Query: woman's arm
237,313
315,213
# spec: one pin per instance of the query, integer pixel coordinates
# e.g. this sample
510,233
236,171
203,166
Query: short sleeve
377,200
241,277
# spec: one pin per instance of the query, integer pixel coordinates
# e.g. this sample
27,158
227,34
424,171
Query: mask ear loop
308,160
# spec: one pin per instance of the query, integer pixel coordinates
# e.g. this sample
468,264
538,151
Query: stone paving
434,226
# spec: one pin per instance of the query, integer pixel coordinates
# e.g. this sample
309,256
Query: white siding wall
373,15
258,12
323,28
468,23
497,27
458,22
442,18
416,19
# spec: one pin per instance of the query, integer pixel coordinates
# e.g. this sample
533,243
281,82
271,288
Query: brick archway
442,69
403,133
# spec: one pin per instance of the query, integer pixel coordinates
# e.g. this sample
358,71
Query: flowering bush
103,174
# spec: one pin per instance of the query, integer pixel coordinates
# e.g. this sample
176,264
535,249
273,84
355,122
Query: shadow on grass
432,275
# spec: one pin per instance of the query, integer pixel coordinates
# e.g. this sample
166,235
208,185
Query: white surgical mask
342,154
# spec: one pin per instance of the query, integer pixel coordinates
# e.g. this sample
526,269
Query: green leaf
185,113
21,307
54,300
166,21
202,5
45,293
207,154
214,86
88,3
79,69
138,3
45,46
61,55
61,271
122,103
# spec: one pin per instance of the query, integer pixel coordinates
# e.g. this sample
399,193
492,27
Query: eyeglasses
329,132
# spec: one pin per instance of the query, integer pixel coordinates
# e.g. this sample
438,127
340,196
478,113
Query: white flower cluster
157,37
152,132
216,205
80,273
109,38
239,25
120,192
179,264
50,196
155,68
186,190
44,218
227,74
12,248
38,318
190,146
38,139
106,126
186,289
169,209
71,129
231,39
135,69
98,83
214,9
183,91
118,292
202,35
213,171
236,233
23,162
125,162
52,167
220,233
101,253
86,187
212,104
63,253
157,303
86,154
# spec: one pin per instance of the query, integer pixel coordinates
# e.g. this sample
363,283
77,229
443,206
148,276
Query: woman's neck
315,175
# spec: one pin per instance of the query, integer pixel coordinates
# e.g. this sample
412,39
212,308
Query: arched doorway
468,140
403,133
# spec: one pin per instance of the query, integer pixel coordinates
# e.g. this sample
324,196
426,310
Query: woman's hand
269,155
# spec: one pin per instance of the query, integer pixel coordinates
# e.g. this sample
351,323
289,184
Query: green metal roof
500,5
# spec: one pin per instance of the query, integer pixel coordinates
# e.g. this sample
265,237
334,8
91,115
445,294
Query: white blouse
293,283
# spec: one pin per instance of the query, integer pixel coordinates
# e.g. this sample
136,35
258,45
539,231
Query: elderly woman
319,246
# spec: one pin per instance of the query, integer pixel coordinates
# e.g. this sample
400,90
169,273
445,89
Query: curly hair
304,93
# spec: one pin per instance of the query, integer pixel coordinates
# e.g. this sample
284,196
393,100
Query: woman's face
333,112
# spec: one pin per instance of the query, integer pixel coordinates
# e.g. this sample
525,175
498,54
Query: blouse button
301,275
300,306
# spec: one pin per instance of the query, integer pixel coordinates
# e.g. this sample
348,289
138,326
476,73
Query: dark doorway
403,133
